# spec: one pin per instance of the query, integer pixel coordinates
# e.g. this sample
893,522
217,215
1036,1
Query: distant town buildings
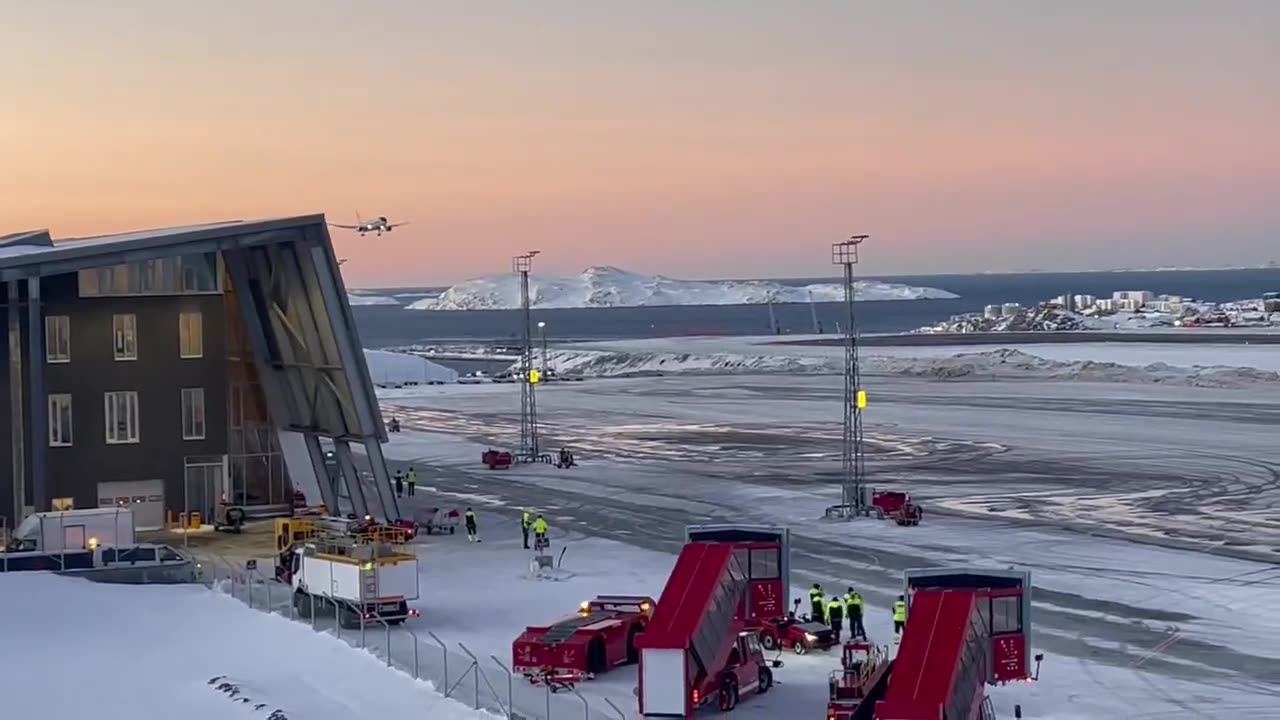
1123,310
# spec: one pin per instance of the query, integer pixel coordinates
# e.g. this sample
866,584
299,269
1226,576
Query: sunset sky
696,139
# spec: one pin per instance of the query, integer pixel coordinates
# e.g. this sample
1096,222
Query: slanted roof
35,253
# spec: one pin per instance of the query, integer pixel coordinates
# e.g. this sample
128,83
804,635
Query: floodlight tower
528,402
853,500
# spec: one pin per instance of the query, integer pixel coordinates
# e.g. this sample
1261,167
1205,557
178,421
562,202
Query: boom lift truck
367,574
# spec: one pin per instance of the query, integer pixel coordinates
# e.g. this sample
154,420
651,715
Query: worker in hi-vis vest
853,613
817,601
540,533
835,616
899,615
469,519
526,521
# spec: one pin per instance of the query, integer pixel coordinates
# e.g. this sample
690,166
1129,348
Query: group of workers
527,522
837,610
401,479
409,479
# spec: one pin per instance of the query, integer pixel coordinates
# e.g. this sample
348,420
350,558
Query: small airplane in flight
378,225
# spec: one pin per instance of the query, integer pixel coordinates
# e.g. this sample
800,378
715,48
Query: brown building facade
152,378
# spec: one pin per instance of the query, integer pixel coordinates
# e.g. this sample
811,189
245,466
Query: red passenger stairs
692,630
965,629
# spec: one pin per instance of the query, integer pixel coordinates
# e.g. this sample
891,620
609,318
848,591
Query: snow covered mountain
613,287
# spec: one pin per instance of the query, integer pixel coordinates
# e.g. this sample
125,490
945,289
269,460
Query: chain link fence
453,669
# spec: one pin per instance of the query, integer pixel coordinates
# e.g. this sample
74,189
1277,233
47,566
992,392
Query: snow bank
85,650
362,299
392,368
1001,363
612,287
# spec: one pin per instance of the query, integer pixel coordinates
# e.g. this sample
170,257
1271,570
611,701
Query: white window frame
57,331
60,436
193,422
124,336
111,404
191,332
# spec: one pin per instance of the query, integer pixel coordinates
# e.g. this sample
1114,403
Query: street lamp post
542,332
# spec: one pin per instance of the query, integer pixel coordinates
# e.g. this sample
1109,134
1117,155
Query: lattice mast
853,496
522,264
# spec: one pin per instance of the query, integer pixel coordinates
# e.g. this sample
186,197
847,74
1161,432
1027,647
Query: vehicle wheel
768,641
302,605
597,656
348,618
766,680
633,653
799,648
728,696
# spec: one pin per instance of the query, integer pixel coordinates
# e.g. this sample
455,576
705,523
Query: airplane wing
397,224
344,227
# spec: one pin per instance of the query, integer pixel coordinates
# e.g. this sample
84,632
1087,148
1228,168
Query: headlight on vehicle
811,637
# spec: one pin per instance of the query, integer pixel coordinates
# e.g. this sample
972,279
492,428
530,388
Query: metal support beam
347,463
39,404
328,492
16,419
352,357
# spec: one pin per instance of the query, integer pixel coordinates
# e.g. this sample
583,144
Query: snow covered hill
125,652
613,287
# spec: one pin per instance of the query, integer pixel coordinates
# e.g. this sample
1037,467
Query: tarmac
703,447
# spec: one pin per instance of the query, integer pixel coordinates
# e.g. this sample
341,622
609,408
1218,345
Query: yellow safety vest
540,526
525,521
815,595
900,611
835,604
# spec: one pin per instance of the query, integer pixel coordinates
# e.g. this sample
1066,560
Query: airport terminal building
170,369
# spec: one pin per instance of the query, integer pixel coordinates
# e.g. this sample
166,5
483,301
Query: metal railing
454,671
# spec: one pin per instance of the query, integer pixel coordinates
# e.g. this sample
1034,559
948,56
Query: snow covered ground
1208,365
76,649
1057,477
490,598
612,287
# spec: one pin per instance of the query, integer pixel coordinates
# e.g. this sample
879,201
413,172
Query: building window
122,417
124,331
190,335
1006,615
192,413
187,275
59,420
57,338
764,564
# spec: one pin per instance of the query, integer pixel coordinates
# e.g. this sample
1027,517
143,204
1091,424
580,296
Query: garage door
144,497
